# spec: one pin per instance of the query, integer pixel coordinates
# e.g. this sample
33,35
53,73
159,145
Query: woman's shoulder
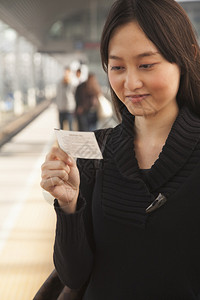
102,136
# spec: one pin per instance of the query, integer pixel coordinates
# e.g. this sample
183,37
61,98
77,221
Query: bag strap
102,142
105,134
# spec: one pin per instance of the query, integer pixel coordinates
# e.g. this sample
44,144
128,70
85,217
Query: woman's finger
55,165
47,184
62,174
58,153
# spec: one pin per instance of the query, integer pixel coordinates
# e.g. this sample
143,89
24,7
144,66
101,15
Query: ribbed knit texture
70,230
72,221
126,194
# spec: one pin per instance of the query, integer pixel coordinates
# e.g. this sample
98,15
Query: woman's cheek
114,82
158,87
157,82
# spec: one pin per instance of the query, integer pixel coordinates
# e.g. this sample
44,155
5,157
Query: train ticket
79,144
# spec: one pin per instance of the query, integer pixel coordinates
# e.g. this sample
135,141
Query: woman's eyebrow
144,54
114,57
148,53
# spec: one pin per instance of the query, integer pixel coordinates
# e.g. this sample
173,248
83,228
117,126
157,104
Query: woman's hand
60,177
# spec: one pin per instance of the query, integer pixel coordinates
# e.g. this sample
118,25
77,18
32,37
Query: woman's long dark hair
166,24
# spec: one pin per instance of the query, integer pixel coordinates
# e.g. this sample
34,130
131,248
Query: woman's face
139,75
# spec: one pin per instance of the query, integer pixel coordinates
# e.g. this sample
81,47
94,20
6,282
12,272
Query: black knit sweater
126,253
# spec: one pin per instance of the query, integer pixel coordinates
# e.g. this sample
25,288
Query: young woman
130,227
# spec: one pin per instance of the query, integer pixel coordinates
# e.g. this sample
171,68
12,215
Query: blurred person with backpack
86,95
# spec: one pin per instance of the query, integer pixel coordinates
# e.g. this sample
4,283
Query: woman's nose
132,81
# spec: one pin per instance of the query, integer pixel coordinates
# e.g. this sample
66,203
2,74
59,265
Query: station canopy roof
57,26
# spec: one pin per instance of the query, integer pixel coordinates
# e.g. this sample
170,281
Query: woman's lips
137,98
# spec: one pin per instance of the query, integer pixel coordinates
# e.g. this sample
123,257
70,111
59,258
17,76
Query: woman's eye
146,66
116,68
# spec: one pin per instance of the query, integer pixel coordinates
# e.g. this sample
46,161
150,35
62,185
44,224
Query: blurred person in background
87,102
78,76
65,100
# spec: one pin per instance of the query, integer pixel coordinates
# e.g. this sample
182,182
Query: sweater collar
181,142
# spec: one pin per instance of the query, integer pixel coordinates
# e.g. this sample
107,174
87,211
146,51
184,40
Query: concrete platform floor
27,221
